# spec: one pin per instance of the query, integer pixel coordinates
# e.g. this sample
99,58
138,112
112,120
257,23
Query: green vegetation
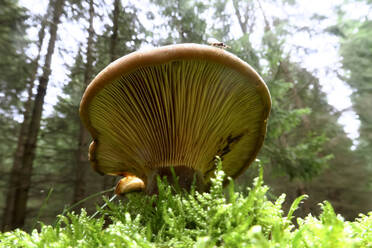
306,150
220,218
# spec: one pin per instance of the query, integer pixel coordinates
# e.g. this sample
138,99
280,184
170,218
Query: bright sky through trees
322,59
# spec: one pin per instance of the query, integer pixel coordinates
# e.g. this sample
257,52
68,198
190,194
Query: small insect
216,43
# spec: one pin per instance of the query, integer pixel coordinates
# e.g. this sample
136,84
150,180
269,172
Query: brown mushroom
177,107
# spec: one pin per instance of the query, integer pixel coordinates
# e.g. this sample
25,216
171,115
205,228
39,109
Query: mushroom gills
174,114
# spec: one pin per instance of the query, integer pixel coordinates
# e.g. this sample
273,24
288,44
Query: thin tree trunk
115,27
267,24
23,180
108,181
82,160
82,165
12,186
242,23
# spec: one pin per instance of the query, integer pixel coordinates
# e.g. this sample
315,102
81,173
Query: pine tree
23,132
15,77
357,61
82,161
23,180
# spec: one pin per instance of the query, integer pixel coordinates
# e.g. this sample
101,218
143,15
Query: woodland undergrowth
220,218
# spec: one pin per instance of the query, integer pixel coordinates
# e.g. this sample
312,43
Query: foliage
130,34
14,64
14,67
214,219
293,146
184,20
356,55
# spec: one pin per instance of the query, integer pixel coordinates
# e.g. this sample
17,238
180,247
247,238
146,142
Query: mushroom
176,106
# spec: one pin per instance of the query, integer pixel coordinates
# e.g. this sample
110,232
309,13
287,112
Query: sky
323,60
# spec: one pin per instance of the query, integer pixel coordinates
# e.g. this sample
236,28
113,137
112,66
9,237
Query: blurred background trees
43,157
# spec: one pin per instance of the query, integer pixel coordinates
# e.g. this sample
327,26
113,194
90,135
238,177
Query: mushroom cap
177,105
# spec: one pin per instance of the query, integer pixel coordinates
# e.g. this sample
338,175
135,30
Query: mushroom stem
180,176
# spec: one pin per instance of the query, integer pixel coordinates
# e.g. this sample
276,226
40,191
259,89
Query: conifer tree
82,163
23,131
357,62
15,77
23,179
184,21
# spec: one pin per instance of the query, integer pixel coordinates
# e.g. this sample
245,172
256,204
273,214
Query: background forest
48,55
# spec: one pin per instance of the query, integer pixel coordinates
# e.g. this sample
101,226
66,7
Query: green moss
214,219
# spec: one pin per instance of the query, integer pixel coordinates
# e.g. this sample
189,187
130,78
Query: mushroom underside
177,114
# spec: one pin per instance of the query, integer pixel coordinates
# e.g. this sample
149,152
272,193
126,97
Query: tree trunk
242,21
115,27
108,181
12,186
22,179
82,163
